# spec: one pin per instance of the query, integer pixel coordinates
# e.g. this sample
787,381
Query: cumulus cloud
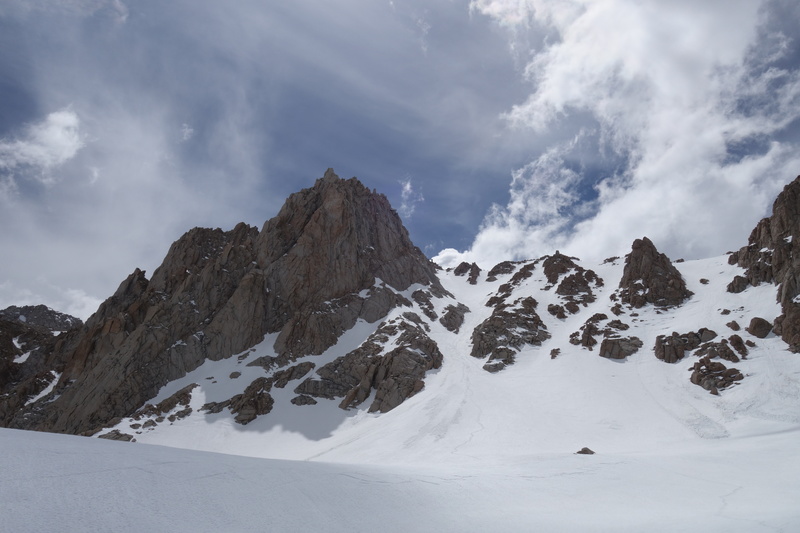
684,101
409,198
42,147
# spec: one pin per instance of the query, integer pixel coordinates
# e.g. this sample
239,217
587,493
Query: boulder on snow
759,327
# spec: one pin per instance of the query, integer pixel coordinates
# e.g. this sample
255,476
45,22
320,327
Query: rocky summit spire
649,277
326,244
335,253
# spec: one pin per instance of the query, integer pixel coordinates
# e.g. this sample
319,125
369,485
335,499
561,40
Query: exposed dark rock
673,348
557,311
116,434
613,345
738,284
254,401
215,407
738,344
585,451
619,347
468,268
734,325
556,265
574,282
453,317
423,299
720,350
650,278
619,325
235,375
505,290
506,331
714,376
267,362
555,352
303,399
772,255
506,267
759,327
395,375
283,377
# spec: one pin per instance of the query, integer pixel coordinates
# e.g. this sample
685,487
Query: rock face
673,348
772,255
650,278
335,253
468,269
506,331
393,373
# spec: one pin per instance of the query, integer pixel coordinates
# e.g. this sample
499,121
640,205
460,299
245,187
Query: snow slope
66,483
473,451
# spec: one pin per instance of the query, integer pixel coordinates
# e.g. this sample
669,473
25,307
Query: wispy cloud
409,198
671,92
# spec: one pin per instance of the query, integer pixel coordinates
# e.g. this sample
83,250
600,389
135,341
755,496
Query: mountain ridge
330,305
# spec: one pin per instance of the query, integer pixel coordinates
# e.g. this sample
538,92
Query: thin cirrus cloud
689,108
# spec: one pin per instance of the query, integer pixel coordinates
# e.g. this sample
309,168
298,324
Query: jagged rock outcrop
613,344
507,331
335,253
255,400
649,277
574,284
673,348
772,255
453,317
392,362
505,290
714,376
504,267
470,269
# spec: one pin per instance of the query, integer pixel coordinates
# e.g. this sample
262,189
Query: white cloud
187,132
409,198
43,146
672,88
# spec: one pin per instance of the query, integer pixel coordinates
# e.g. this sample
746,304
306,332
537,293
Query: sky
498,129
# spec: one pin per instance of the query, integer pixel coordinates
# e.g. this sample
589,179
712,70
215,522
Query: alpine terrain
636,393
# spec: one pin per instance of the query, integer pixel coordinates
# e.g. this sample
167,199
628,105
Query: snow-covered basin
67,483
